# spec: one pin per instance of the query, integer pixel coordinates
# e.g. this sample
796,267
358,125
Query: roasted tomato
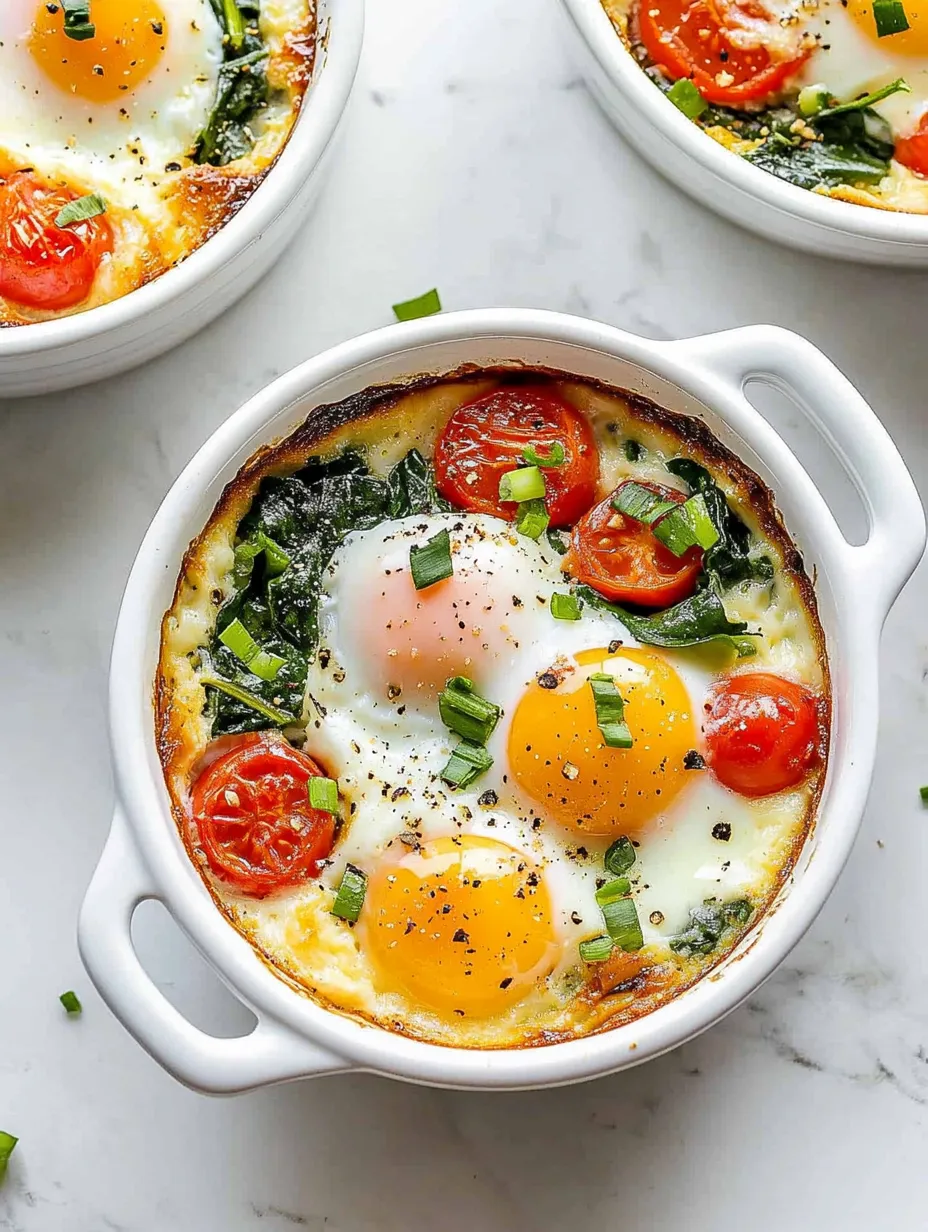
620,557
704,41
484,439
763,733
43,265
251,808
912,151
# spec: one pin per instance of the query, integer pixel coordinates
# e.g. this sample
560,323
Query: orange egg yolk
128,41
463,925
559,758
911,42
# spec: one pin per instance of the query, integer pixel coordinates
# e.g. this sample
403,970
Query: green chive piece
554,457
466,763
80,210
686,98
350,896
687,526
235,24
890,18
565,607
633,450
465,712
613,890
812,100
610,712
899,86
620,856
422,306
523,484
77,23
323,793
260,663
622,924
923,792
276,559
7,1146
431,562
596,949
71,1002
247,698
532,519
639,502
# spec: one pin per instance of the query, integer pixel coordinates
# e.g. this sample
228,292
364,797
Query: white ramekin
856,585
87,346
722,180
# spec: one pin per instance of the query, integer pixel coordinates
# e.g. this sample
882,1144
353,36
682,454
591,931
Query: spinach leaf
699,619
708,924
728,561
412,488
241,91
810,165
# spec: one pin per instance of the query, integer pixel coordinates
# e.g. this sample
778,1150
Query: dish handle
270,1053
883,564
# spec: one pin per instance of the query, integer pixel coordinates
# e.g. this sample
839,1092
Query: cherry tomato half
763,733
43,265
699,39
912,151
251,809
484,439
620,557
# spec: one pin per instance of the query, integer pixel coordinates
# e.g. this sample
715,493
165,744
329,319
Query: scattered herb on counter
425,305
7,1146
71,1003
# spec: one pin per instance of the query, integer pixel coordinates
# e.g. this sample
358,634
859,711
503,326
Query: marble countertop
473,160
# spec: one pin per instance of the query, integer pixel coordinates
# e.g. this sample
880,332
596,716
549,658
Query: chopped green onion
638,502
890,18
465,712
686,98
622,924
80,210
554,457
71,1002
431,562
554,538
276,559
235,24
813,99
523,484
7,1144
613,890
565,607
596,949
688,525
620,856
532,519
247,698
466,763
899,86
633,451
323,793
260,662
923,792
77,23
610,712
422,306
350,897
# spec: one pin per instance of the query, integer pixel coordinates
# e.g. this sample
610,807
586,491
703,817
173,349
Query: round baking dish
144,857
87,346
724,181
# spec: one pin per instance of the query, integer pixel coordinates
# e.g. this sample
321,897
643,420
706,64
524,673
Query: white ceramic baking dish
722,180
856,585
87,346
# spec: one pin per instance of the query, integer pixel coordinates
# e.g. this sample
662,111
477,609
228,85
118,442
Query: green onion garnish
350,897
323,793
80,210
688,526
235,24
554,457
71,1002
77,23
260,663
633,451
565,607
812,100
686,98
610,712
890,17
899,86
276,559
523,484
532,519
596,949
622,923
422,306
465,712
431,562
638,502
247,698
923,792
620,856
466,763
613,890
7,1143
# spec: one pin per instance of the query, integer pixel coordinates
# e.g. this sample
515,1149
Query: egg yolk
558,756
128,41
911,42
463,925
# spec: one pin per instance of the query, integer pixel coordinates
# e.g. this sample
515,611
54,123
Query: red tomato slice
763,733
43,265
251,808
484,439
620,557
912,151
699,39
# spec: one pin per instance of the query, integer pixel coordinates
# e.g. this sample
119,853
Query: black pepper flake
614,645
576,917
488,799
548,680
722,831
158,27
694,760
506,982
461,935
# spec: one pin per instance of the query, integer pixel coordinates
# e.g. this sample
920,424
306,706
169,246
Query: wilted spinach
242,88
708,924
699,619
